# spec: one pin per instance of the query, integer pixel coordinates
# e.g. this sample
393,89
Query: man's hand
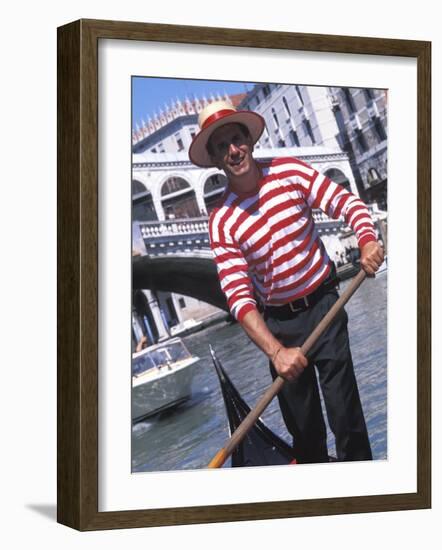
289,363
372,256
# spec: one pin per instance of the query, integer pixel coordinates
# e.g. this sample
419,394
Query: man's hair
244,130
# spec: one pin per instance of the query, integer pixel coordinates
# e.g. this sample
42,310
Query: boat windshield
159,356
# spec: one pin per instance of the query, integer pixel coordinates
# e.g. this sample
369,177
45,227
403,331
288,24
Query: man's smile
236,162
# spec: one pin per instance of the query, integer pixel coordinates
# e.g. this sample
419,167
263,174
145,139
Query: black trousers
299,400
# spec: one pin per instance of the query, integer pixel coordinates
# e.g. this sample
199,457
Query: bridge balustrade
190,236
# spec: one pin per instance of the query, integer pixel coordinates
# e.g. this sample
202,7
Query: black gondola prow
261,446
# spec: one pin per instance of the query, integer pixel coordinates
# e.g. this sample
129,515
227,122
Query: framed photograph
143,402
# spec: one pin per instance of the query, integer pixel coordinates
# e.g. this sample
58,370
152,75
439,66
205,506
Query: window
309,131
143,209
142,204
182,303
294,138
215,183
380,130
362,143
213,190
266,90
179,143
369,94
349,100
275,118
174,184
298,91
266,137
373,176
178,199
138,187
286,107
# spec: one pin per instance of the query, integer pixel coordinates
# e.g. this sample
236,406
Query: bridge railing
178,236
184,226
191,235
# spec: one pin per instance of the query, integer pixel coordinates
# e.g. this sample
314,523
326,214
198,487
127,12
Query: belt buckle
296,309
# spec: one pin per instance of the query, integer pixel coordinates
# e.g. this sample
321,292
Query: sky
150,94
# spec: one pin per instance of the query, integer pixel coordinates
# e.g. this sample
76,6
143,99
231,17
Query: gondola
260,447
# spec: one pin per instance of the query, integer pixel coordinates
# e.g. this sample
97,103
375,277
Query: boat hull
260,447
161,388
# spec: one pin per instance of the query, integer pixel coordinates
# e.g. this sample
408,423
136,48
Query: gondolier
278,279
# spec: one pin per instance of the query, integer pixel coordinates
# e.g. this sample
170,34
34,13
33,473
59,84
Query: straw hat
218,114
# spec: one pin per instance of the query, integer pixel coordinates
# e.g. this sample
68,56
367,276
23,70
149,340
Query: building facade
361,115
351,119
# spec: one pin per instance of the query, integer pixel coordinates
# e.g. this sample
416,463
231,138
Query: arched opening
143,323
143,209
213,190
338,177
178,199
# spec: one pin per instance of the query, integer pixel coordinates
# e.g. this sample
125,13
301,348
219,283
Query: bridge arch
214,187
143,208
178,198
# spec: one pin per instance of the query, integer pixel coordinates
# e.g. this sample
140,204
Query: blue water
189,436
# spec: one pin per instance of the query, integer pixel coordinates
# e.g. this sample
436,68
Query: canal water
189,436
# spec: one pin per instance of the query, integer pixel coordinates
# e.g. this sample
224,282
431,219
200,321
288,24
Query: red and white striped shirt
265,243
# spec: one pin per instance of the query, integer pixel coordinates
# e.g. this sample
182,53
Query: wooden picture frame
78,428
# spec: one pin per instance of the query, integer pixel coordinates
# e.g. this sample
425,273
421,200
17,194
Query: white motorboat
186,327
161,377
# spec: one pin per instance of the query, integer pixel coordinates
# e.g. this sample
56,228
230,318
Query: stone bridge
175,256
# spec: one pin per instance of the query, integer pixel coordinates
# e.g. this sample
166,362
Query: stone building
361,115
351,119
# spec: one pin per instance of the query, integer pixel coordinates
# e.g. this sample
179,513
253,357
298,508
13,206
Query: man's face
232,150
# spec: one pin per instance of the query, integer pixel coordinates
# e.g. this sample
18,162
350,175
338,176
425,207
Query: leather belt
287,311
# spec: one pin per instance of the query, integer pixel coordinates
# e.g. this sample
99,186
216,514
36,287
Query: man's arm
237,287
289,362
141,344
335,201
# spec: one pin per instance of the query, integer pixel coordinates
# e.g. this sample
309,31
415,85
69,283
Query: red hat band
216,116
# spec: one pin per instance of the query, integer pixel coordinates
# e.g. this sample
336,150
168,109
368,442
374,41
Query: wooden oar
238,435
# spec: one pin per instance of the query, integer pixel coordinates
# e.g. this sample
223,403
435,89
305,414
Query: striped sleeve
232,269
336,201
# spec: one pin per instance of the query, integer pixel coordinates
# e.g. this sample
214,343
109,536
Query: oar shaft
248,422
219,459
